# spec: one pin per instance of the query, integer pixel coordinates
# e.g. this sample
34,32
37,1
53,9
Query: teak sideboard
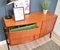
45,23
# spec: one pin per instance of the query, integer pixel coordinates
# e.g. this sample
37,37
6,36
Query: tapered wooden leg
8,45
6,38
50,34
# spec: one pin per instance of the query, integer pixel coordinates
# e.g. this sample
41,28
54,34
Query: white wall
57,26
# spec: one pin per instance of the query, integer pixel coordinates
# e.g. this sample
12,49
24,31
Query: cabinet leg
50,34
8,45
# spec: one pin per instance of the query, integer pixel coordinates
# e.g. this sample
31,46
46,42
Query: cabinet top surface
29,18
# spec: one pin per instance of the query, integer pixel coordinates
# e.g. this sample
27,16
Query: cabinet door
43,28
50,24
47,26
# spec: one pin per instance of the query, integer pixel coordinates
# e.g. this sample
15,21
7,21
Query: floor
36,43
51,45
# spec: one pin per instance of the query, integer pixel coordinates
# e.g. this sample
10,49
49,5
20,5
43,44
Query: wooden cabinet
45,25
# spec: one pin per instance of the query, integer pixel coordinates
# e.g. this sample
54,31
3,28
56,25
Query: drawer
23,36
24,33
